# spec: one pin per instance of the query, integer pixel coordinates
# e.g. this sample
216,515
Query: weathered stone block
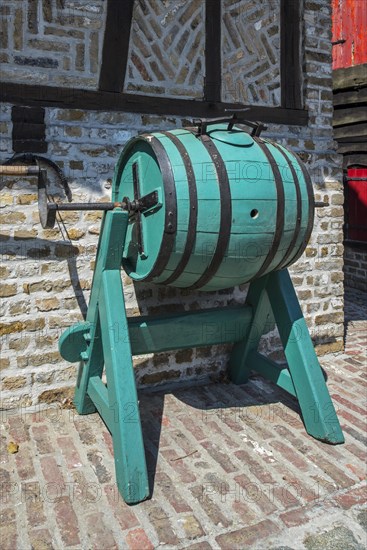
7,290
335,317
28,198
14,382
12,218
38,359
49,45
73,131
71,115
4,363
6,199
156,377
4,272
59,395
45,62
47,304
75,234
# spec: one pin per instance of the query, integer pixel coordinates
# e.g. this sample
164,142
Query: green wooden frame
108,339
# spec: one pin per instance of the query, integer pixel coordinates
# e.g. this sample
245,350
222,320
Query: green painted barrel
229,207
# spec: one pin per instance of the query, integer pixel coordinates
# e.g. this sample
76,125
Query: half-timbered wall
55,55
166,49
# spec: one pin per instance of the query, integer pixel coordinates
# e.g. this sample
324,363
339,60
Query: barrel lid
137,175
236,136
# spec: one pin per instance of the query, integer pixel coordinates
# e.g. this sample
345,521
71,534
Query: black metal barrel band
193,214
297,228
311,209
279,228
170,223
225,225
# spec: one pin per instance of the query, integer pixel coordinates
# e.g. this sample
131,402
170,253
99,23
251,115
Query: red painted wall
349,24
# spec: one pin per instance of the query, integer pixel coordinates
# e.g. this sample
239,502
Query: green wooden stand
108,339
302,377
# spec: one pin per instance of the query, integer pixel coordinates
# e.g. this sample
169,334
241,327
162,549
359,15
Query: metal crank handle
85,206
47,210
7,170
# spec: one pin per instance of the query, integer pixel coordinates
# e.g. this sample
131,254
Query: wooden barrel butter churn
230,207
201,208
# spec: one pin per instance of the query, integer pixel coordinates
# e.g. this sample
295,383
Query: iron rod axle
86,206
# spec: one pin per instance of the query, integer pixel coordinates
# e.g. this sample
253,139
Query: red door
356,219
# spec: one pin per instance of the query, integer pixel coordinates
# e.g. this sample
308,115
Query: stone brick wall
355,267
167,49
169,58
46,274
55,42
251,52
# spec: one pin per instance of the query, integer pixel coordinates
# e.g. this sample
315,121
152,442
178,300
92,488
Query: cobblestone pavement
231,467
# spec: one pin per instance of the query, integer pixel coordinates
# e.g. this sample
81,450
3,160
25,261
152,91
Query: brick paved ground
234,469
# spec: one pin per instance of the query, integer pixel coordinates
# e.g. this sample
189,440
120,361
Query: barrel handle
7,170
203,123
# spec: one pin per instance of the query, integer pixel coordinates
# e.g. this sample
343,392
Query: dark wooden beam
349,115
351,77
29,129
29,146
74,98
290,54
23,130
353,148
28,114
351,159
213,49
351,132
352,97
116,45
